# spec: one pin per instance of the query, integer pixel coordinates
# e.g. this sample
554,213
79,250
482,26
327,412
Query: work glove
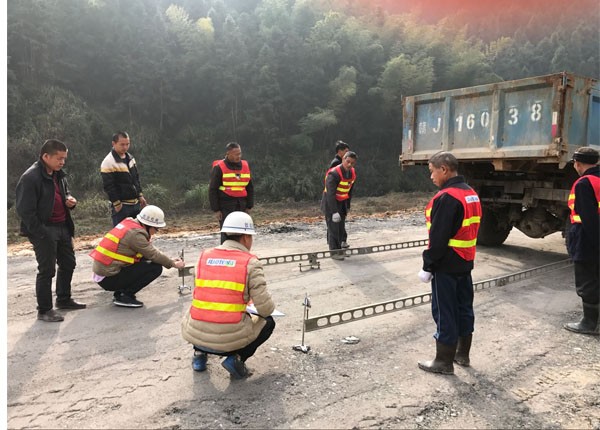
336,217
425,276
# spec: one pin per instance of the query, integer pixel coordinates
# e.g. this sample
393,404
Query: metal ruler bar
313,256
349,315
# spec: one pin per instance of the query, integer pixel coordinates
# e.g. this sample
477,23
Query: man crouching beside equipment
228,277
125,261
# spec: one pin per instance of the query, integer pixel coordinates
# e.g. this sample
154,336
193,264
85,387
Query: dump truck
514,141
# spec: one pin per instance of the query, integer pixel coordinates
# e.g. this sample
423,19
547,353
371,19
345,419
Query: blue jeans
452,306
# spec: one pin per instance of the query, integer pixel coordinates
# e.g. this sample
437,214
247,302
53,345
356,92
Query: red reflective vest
342,192
106,251
465,239
220,282
595,181
234,181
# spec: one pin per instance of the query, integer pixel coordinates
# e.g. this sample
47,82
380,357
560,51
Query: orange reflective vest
342,192
106,251
465,239
220,282
234,181
595,182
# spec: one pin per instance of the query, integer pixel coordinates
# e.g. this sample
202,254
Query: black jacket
120,178
583,240
329,204
219,200
35,200
337,160
447,216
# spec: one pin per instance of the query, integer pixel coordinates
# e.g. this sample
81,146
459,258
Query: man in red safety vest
453,217
583,238
125,261
230,188
335,203
228,278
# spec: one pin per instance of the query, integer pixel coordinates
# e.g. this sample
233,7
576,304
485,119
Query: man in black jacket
121,181
335,203
453,216
44,204
230,188
340,149
583,239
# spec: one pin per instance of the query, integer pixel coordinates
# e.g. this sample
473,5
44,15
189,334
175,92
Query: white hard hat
152,216
238,223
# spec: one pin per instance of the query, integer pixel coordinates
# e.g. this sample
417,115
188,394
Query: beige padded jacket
231,337
135,241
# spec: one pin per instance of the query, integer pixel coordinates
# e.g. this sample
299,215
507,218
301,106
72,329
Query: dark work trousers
126,211
336,231
133,278
226,210
587,284
54,249
452,306
248,351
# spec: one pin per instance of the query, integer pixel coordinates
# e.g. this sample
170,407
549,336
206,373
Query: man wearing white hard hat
229,277
125,261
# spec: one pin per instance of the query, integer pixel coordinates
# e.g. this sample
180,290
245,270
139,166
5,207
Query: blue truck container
514,141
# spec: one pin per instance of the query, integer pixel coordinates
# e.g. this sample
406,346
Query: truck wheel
494,227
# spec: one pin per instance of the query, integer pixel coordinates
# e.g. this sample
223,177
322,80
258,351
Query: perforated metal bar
313,256
349,315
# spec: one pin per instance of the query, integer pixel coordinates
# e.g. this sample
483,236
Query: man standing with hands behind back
230,188
44,204
121,181
453,216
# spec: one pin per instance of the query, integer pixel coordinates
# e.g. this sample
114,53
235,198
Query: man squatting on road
125,261
44,204
453,216
229,277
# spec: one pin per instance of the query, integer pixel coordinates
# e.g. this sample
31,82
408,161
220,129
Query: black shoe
236,367
50,316
127,301
69,304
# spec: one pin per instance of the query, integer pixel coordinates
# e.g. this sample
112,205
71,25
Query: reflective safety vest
106,251
595,181
342,192
219,288
234,181
465,239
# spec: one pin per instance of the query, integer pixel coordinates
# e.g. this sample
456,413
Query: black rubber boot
443,362
588,324
462,351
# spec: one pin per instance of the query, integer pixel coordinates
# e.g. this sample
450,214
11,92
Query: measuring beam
368,311
312,257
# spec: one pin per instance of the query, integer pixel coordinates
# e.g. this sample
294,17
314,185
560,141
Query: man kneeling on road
125,260
229,277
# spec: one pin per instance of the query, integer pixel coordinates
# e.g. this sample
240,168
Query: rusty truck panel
510,124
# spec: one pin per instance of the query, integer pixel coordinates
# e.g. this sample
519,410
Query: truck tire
494,227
